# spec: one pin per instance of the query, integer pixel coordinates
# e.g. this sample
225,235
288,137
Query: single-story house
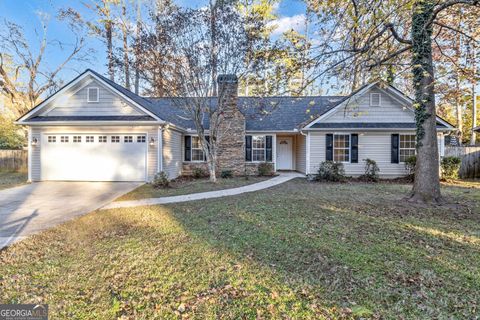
93,129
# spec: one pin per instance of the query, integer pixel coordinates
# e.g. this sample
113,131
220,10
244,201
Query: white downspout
160,149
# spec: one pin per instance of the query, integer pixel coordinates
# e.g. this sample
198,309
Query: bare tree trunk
458,108
109,36
212,169
473,138
213,39
137,47
426,187
126,63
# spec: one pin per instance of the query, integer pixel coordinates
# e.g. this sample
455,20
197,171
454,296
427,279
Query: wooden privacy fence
470,156
13,160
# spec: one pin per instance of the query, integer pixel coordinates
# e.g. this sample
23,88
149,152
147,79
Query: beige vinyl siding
74,102
35,155
359,110
152,153
39,133
300,153
172,153
372,145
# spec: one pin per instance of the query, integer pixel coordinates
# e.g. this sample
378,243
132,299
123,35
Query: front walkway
283,177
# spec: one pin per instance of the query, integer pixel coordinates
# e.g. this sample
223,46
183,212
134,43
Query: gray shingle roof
262,114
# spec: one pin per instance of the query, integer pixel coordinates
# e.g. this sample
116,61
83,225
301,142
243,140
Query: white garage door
93,157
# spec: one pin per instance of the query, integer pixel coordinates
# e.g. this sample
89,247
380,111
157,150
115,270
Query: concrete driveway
31,208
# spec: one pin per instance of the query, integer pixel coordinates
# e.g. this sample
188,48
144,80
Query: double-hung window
407,146
258,148
197,151
341,147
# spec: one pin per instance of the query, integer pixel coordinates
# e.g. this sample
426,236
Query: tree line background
141,42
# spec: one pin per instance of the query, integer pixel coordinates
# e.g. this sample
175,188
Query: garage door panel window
102,139
77,139
141,139
52,139
89,139
128,139
64,139
407,146
341,148
115,139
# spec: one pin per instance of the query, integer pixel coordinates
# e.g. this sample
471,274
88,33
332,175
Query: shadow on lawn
348,254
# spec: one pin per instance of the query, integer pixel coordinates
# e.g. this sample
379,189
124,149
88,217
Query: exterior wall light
152,141
34,141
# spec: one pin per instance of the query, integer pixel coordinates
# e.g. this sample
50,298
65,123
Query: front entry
284,153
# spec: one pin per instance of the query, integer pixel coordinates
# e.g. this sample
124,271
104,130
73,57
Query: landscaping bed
188,185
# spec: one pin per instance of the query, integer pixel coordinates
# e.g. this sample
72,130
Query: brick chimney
231,151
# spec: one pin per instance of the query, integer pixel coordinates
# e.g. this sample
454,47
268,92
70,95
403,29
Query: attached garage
93,156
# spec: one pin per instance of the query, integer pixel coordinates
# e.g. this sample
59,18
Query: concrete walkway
28,209
283,177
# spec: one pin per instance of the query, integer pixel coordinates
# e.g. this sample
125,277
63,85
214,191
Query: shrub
450,167
410,165
265,169
161,180
11,137
198,173
331,171
371,170
225,174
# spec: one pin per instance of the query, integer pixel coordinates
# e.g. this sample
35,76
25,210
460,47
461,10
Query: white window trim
379,99
400,148
264,148
349,147
88,94
191,151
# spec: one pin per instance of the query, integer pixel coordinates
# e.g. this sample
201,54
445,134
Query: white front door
284,153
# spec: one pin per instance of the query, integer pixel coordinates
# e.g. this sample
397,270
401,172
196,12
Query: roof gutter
88,123
372,129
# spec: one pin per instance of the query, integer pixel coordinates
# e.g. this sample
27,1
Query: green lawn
12,179
188,186
299,250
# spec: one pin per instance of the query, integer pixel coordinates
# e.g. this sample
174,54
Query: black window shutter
268,148
354,148
188,148
248,148
395,142
329,147
208,147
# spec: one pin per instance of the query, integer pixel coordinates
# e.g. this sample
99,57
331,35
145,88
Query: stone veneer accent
187,167
231,148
